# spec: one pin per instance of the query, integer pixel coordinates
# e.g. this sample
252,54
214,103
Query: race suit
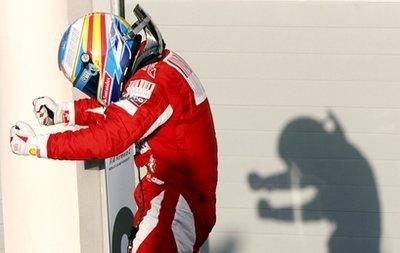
165,112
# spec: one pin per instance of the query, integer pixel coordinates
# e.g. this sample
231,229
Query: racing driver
144,95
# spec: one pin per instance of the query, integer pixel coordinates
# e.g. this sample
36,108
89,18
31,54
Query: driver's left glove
24,141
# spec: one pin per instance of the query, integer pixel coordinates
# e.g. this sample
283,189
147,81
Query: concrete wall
39,196
306,105
49,206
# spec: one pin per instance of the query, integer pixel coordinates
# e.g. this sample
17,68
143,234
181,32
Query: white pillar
40,197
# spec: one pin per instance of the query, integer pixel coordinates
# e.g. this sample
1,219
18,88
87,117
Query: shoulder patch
151,70
184,69
140,88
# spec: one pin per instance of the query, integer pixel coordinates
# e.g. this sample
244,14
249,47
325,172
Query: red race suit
166,114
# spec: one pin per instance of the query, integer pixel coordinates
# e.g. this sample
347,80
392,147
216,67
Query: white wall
39,196
273,72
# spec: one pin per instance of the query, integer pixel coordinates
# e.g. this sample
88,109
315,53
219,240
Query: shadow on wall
346,193
224,246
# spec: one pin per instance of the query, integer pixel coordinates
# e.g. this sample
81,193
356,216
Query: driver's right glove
50,113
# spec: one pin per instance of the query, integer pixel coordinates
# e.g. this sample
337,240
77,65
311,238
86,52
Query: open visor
154,43
87,81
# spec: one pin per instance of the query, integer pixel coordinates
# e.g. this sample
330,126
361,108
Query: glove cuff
37,145
65,113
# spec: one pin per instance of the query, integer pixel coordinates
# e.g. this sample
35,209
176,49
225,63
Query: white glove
24,141
50,113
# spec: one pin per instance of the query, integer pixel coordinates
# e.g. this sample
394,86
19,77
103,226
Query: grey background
281,77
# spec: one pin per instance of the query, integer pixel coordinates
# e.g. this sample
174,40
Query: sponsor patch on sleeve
138,101
140,88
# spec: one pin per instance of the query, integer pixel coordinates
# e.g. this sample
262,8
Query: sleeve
125,122
87,111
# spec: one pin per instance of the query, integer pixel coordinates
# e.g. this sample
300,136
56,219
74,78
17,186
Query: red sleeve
85,113
125,122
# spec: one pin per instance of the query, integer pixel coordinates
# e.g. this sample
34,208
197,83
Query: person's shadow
343,178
